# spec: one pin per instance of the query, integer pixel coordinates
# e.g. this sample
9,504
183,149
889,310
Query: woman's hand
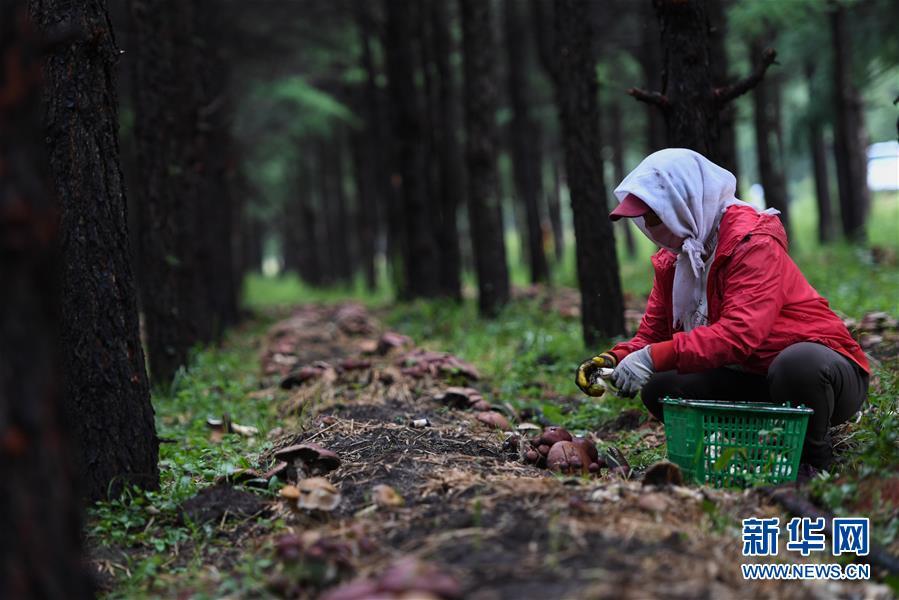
588,368
634,371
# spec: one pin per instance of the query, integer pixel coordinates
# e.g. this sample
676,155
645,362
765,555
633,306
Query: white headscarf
689,193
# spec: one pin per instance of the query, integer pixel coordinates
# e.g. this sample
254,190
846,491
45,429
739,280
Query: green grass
527,356
146,525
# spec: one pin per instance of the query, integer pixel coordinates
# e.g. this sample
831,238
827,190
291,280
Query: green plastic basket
734,444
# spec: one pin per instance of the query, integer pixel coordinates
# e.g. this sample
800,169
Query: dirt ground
434,503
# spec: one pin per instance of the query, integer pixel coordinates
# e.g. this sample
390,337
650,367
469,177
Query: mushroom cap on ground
313,456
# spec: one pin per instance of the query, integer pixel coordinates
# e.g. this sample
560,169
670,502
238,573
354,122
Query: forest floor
445,507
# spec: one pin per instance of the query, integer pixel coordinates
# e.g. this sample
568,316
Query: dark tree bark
727,139
554,208
689,100
107,396
40,517
617,139
769,160
421,274
341,240
292,224
165,121
650,59
311,228
524,137
327,232
542,30
371,149
367,206
570,62
818,154
448,149
849,131
252,242
216,164
484,210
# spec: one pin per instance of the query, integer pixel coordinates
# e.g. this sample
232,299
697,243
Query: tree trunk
342,243
689,102
650,59
615,119
449,152
291,227
849,132
165,119
770,172
328,228
366,203
484,210
311,228
727,138
572,66
543,32
217,160
40,517
691,120
524,138
554,208
421,273
253,243
818,154
107,396
371,149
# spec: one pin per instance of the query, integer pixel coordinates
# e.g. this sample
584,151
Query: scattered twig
656,98
725,94
321,431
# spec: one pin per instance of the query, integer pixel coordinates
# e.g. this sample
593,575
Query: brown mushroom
460,397
279,470
481,405
317,493
588,448
354,364
308,459
663,473
409,575
566,457
553,434
493,420
390,340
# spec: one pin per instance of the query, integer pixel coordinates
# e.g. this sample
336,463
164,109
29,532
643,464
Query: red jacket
759,304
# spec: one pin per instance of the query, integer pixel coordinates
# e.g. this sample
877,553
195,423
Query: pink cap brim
630,207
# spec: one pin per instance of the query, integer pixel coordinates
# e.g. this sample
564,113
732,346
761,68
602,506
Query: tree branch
725,94
656,98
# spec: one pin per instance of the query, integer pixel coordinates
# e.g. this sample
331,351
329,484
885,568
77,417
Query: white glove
633,372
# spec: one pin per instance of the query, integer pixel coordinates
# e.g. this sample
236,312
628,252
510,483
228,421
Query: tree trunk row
106,391
40,547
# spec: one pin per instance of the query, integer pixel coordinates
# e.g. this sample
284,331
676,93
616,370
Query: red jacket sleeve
656,323
752,299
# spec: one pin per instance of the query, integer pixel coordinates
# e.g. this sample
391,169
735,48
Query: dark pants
805,373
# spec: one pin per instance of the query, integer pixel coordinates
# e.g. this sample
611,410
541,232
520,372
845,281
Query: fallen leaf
244,430
386,497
